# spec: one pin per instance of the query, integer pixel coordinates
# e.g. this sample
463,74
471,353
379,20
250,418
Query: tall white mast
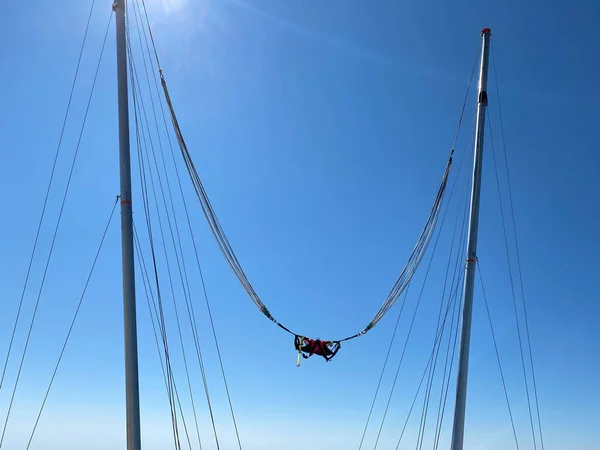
458,428
132,394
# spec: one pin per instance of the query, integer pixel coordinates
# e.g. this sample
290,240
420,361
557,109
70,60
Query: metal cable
362,439
415,314
207,302
182,266
518,255
512,287
144,115
487,308
37,235
152,306
446,378
438,337
87,282
454,282
160,314
64,199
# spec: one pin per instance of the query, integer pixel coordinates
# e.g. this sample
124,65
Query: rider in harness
308,347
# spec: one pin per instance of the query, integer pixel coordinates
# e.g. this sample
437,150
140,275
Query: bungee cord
226,249
233,262
306,346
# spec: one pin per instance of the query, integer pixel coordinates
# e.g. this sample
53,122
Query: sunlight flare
166,7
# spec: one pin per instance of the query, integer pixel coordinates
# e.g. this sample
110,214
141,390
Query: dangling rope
225,247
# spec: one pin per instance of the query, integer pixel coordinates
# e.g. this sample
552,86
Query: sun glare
166,7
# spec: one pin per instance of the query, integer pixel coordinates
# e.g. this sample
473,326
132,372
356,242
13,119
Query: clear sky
320,130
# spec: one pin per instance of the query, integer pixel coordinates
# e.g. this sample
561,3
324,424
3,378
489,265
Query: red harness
316,347
308,347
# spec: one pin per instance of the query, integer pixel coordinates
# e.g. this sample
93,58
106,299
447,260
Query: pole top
486,31
118,4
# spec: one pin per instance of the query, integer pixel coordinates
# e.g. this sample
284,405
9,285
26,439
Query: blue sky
320,130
